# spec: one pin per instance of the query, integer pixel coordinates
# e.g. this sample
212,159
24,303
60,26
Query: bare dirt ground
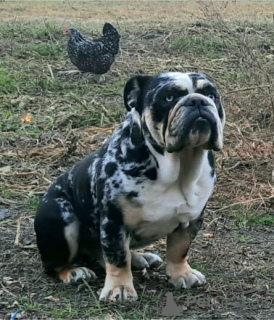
49,121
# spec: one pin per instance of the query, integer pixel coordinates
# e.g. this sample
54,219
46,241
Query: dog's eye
169,98
212,97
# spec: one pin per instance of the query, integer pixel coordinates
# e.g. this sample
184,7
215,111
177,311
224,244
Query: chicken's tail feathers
109,29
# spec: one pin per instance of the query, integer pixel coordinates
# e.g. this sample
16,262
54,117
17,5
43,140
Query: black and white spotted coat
131,191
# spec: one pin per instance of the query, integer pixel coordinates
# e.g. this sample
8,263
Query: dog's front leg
179,271
115,245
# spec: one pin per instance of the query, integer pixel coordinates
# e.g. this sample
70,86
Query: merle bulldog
152,179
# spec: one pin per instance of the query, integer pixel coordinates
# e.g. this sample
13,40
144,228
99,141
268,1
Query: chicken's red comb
65,29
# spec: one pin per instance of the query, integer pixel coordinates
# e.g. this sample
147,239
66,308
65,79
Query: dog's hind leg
57,234
72,275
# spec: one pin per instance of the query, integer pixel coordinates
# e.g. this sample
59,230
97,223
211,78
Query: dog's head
177,110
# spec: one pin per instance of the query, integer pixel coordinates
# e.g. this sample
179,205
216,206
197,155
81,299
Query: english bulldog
151,180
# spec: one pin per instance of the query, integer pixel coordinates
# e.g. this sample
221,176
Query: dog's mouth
200,132
193,126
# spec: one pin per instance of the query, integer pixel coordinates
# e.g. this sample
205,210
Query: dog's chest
158,210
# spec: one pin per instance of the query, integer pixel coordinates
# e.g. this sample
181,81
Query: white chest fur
179,194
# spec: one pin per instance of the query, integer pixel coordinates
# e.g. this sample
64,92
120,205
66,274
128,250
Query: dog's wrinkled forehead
190,82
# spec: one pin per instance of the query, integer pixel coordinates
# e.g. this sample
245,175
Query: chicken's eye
169,98
212,97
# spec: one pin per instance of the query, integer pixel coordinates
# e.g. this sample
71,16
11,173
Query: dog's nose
196,101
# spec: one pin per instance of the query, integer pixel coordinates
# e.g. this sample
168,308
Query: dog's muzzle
193,121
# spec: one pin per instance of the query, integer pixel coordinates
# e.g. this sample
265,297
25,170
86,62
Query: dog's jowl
152,179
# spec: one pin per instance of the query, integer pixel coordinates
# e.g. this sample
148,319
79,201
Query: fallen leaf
10,282
51,298
208,235
27,118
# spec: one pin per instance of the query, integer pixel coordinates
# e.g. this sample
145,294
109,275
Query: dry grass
71,116
128,11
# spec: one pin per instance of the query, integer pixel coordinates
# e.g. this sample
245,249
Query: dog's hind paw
75,274
141,261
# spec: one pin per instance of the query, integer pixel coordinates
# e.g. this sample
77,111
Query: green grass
32,203
46,31
209,47
8,83
46,49
255,220
75,101
27,30
8,193
243,238
200,266
82,103
49,84
73,307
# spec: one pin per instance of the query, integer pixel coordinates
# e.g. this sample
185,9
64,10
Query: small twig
18,232
211,222
50,71
20,174
68,72
247,89
31,246
7,291
242,202
7,201
38,192
165,39
233,167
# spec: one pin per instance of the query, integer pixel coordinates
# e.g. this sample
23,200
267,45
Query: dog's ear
134,92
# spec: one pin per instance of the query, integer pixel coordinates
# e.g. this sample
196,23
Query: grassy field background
50,120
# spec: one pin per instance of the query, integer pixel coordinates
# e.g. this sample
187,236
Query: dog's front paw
183,276
118,285
118,293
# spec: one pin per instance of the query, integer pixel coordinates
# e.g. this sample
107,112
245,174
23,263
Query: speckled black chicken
93,55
